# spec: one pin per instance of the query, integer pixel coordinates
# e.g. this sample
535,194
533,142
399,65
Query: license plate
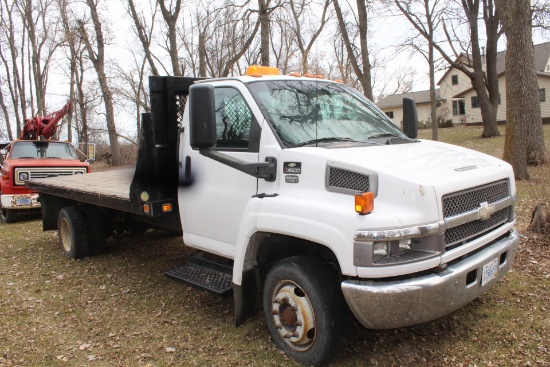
23,201
490,271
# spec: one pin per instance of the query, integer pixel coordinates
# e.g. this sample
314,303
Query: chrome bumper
380,304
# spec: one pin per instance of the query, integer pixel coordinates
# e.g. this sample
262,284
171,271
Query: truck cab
24,160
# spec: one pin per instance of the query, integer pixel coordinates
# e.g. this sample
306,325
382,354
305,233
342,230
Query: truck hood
425,162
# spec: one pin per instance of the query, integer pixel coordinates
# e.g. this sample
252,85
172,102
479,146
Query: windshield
43,149
304,112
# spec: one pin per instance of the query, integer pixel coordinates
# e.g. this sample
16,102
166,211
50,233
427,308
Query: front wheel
7,215
305,310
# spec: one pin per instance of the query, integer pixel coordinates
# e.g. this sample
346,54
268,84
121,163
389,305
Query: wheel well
264,251
274,248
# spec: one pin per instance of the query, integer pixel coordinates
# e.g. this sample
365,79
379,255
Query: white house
458,99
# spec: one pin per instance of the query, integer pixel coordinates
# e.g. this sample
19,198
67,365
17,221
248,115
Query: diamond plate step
205,273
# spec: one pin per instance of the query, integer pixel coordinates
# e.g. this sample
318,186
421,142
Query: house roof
542,54
463,93
395,100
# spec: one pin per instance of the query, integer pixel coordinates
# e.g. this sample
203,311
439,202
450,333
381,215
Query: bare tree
484,80
132,87
5,112
282,46
97,57
14,62
232,34
424,16
42,34
360,63
170,15
524,143
144,34
306,26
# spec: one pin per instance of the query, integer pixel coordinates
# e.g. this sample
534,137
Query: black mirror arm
267,170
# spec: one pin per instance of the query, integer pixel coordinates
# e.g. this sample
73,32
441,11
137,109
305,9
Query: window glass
542,95
233,119
303,111
454,78
459,108
475,102
389,114
43,149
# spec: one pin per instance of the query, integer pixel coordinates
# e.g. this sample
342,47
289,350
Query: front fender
327,224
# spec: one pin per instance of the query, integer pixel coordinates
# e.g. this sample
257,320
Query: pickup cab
304,201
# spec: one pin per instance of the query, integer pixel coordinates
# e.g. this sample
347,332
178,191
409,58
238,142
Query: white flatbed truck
310,201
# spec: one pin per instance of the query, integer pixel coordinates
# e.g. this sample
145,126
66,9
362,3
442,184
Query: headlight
23,176
380,251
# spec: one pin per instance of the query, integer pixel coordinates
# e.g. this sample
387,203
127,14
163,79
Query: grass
118,309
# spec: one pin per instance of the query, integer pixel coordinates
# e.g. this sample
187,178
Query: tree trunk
6,114
264,31
145,41
488,113
171,19
524,141
363,74
98,60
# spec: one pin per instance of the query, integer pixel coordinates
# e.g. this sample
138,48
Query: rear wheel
73,234
305,310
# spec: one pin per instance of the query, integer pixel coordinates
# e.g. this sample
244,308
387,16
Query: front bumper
388,304
20,201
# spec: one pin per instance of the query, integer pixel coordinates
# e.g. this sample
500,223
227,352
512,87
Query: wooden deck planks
115,183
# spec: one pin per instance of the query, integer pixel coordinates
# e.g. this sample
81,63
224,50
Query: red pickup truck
24,160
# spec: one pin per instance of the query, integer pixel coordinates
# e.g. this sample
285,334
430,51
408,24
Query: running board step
205,273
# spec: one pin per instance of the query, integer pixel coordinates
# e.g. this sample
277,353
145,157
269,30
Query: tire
305,310
8,215
73,234
97,230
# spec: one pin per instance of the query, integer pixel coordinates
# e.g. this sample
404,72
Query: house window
389,114
454,79
459,108
542,95
475,102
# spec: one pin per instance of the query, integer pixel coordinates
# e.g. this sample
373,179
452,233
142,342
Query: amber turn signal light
167,207
364,203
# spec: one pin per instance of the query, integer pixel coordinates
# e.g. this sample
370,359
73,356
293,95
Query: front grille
474,229
463,201
45,172
344,179
468,200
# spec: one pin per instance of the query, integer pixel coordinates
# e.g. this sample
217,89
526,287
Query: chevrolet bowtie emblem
485,210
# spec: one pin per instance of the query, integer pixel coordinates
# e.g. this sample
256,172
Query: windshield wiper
385,135
321,140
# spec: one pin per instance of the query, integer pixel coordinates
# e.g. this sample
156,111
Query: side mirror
202,117
410,118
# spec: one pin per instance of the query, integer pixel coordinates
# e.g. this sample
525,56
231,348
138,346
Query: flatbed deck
110,189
